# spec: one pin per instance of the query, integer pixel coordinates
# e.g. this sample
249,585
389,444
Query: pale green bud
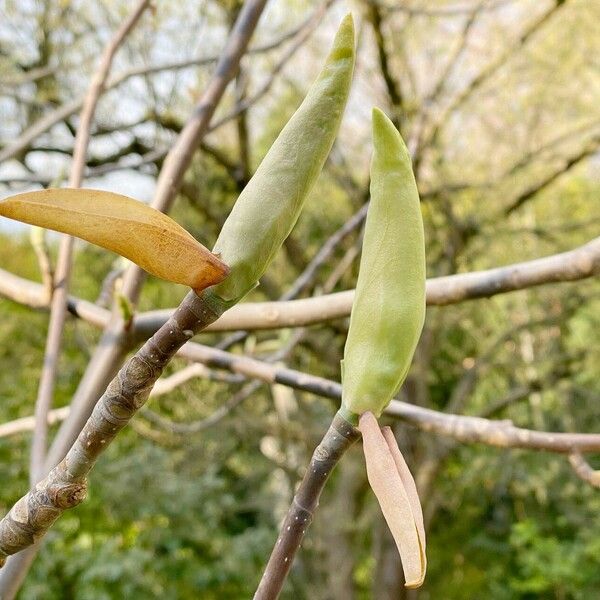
270,204
389,305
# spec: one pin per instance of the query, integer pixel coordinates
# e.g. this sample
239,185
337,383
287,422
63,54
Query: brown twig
573,265
463,428
303,34
486,73
65,485
583,469
164,385
339,437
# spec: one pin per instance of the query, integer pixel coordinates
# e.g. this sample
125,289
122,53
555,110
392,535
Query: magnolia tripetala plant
262,218
385,325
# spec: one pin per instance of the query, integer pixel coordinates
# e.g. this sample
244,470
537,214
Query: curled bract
270,204
394,486
123,225
389,304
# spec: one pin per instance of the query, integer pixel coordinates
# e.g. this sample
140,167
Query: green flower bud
389,305
269,205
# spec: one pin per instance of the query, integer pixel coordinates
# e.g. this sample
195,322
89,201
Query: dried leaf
130,228
410,487
387,484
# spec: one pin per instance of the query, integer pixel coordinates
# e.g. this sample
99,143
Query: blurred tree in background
499,101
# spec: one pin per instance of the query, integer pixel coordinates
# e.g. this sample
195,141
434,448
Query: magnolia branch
462,428
65,486
583,469
574,265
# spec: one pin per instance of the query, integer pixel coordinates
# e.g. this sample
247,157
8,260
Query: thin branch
65,485
392,85
164,385
466,429
463,428
432,97
340,436
456,54
502,434
574,265
180,155
304,34
58,308
577,132
590,149
29,76
64,111
583,469
489,70
26,424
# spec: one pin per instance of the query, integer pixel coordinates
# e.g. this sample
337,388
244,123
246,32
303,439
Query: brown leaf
126,226
388,486
410,487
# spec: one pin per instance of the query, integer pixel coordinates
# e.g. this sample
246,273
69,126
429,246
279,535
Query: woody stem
339,437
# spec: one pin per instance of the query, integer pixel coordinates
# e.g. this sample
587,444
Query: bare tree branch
583,469
590,149
58,308
463,428
392,85
574,265
489,70
581,263
303,35
65,486
70,108
26,424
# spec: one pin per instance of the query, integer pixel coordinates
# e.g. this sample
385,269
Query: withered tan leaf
126,226
411,489
387,484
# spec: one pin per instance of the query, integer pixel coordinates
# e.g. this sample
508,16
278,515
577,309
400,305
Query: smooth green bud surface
389,305
270,204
